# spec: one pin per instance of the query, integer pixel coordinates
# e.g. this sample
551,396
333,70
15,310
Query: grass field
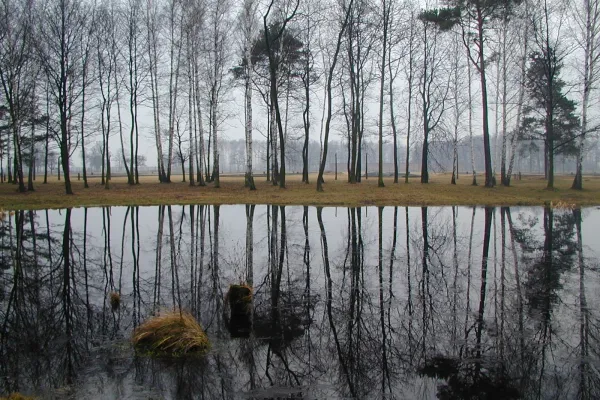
529,191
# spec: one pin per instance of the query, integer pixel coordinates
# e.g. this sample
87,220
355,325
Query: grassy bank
529,191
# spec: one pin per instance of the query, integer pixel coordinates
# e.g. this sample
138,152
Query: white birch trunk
173,86
592,16
153,68
504,103
471,123
190,71
248,21
523,71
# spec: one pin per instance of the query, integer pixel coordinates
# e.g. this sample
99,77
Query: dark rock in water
239,299
115,300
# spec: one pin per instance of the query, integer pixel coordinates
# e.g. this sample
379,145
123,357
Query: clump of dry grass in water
172,334
115,300
17,396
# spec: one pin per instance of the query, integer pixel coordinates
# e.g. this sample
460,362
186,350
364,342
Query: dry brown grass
171,333
529,191
17,396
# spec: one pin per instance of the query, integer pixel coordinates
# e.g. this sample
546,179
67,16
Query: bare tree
432,90
588,20
386,8
458,104
474,17
152,21
218,31
16,69
270,38
412,49
133,85
62,25
248,27
175,35
524,28
347,11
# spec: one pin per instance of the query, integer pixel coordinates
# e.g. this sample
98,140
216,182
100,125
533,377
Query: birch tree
153,21
175,37
218,31
588,22
474,17
248,26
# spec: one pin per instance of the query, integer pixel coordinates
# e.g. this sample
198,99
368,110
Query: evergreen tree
550,116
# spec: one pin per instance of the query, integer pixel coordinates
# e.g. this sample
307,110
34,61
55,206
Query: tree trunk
329,98
386,21
489,182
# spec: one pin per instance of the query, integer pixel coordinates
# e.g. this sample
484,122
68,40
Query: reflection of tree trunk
16,255
306,257
107,263
273,253
424,289
282,251
123,231
135,251
408,282
521,333
384,361
392,259
454,280
158,260
215,257
469,265
546,305
502,279
193,249
250,244
489,212
329,290
585,389
202,229
174,269
355,301
85,274
66,298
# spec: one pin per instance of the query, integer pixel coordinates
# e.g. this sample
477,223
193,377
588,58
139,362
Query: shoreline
530,191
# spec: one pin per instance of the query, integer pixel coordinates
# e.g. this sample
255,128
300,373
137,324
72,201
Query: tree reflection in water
448,303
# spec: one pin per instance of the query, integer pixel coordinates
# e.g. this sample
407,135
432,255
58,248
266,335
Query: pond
394,302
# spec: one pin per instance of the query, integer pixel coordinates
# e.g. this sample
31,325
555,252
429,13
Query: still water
394,302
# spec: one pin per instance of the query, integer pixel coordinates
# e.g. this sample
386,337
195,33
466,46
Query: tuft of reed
17,396
175,333
115,300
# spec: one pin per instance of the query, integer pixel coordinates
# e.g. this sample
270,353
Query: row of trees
79,73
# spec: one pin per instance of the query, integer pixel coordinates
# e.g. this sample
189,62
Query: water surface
391,302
